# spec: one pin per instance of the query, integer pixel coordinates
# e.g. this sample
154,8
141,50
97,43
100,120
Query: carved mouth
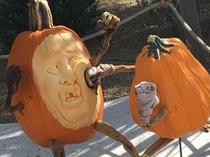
70,94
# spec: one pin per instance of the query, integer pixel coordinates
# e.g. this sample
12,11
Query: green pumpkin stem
40,16
158,45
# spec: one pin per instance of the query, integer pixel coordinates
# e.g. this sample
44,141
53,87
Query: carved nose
68,76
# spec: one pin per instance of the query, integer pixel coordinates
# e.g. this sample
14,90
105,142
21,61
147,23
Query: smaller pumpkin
182,84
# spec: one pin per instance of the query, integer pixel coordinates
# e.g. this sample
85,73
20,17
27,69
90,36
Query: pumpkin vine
158,45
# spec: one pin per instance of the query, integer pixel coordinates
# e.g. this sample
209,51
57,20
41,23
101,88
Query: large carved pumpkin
183,85
57,102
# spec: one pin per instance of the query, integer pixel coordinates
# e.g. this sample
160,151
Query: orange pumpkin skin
35,119
183,86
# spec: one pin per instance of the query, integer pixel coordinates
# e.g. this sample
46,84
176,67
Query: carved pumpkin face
183,87
57,102
59,74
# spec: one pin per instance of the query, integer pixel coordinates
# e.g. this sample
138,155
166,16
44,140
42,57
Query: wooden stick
14,78
114,134
110,29
124,68
159,144
93,79
206,127
57,148
158,117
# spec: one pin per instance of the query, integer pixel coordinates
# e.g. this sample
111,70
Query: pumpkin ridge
165,59
190,89
163,105
197,80
203,89
195,75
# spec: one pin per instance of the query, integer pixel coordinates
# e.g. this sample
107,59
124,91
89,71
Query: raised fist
108,21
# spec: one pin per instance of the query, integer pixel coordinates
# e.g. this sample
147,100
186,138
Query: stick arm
110,24
93,75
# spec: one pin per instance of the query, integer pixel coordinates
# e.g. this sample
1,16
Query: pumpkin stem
40,16
158,45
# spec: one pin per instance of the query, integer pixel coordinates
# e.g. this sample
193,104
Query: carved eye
54,69
74,61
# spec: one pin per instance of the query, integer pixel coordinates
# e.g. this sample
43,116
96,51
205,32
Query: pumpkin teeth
70,92
68,95
74,94
70,99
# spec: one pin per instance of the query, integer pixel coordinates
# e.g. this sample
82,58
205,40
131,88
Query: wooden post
189,13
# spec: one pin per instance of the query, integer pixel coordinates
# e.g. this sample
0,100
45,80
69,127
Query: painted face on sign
58,64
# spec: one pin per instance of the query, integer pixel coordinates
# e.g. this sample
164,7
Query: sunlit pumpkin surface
57,102
59,73
183,85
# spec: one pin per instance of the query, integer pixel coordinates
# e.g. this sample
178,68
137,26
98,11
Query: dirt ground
126,43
